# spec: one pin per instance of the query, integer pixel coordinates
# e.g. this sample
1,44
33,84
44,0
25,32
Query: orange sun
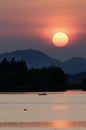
60,39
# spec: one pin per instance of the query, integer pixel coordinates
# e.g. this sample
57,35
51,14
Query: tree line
12,66
16,76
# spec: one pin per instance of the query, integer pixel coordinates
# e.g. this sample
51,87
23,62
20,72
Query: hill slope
74,65
33,58
38,59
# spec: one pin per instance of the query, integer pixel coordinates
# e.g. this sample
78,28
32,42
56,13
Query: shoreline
38,92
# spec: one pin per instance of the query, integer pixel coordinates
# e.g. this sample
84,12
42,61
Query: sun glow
60,39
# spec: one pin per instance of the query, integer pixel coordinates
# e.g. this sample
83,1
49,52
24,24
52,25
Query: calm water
54,111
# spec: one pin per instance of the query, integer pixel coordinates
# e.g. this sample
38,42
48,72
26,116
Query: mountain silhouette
33,58
74,65
38,59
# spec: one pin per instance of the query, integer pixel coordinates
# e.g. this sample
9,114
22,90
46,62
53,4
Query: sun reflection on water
60,107
38,124
68,124
60,124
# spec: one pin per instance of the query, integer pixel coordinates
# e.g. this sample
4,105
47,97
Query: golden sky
42,18
31,17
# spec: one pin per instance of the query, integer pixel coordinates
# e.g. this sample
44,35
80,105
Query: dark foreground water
54,111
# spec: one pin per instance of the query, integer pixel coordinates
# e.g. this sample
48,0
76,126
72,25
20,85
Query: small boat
42,93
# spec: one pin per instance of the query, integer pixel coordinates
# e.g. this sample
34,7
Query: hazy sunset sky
26,24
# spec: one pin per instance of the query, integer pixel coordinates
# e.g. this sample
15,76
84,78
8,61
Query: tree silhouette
18,77
4,66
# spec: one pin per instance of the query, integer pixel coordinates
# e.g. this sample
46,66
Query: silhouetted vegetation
15,76
84,84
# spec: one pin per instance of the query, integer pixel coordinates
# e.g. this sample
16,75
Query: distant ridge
38,59
33,58
75,65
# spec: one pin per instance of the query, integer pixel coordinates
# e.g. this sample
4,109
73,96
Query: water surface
54,111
